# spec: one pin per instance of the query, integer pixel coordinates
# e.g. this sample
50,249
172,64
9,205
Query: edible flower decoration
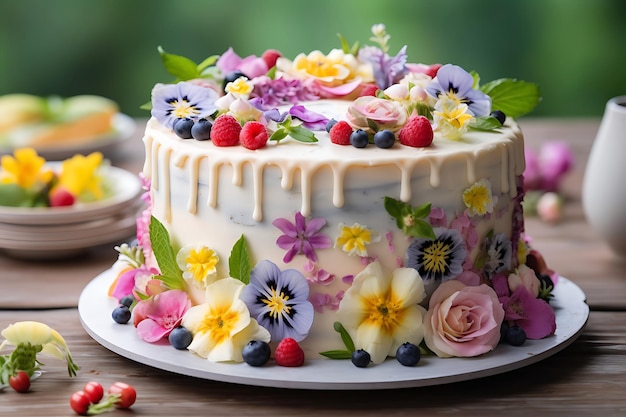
171,102
301,237
279,301
157,316
463,320
354,239
380,310
198,263
478,198
31,338
222,326
27,180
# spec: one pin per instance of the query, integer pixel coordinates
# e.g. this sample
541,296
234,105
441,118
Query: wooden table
586,378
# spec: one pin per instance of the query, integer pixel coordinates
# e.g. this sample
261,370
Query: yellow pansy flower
354,239
478,198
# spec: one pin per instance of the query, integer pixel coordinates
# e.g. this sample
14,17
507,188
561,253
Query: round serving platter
95,309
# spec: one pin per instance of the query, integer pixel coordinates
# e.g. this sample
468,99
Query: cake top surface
285,100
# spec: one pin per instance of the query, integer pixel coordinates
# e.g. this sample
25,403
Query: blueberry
515,336
201,130
504,328
232,76
499,114
182,128
256,353
360,358
127,300
121,314
330,124
384,139
359,138
408,354
180,338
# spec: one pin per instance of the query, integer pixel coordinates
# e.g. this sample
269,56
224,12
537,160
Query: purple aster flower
311,120
300,237
388,70
178,101
274,92
455,82
278,300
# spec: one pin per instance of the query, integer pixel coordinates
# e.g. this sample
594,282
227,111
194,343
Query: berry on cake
350,205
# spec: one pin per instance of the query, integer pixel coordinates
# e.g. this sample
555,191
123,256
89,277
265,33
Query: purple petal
314,226
308,251
229,61
312,120
285,242
320,241
300,222
285,226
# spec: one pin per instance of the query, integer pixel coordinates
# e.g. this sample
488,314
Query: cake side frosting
349,193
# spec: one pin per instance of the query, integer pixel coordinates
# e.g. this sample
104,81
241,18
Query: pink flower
550,207
387,114
463,320
251,66
545,170
157,316
132,281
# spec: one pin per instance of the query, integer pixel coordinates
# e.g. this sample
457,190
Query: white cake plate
95,309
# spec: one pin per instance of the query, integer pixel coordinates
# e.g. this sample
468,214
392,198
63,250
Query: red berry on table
340,133
417,132
94,391
225,131
20,382
80,402
126,394
270,57
60,197
253,135
289,353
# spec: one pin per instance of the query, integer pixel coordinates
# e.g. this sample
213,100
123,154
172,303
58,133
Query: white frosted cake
349,204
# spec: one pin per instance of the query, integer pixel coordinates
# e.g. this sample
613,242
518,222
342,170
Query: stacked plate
53,232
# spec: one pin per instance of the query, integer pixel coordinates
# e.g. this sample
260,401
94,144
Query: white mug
604,184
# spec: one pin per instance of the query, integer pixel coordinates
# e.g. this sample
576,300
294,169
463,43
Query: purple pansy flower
387,70
278,300
183,100
300,237
311,120
455,82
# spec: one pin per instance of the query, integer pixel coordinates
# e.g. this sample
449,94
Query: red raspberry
61,197
340,133
289,353
270,56
225,131
253,135
417,132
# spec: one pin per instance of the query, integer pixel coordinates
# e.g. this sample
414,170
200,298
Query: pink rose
463,320
387,114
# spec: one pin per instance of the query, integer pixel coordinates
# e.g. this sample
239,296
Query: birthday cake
349,205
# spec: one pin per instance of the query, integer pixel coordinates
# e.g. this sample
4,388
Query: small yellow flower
198,263
354,239
452,117
478,198
25,168
241,87
80,176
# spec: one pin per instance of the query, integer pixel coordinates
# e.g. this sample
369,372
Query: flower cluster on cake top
391,98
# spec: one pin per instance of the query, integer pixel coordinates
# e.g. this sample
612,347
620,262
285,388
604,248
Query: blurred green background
574,49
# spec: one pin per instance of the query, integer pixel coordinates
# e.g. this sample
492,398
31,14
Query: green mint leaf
179,66
208,62
420,228
514,97
409,219
486,123
239,261
393,206
165,256
302,134
422,211
337,354
345,336
279,134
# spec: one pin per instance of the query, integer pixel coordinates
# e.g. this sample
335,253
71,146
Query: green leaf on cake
179,66
514,97
486,123
410,219
295,131
302,134
347,341
165,256
239,261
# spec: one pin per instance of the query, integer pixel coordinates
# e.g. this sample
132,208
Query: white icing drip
471,167
305,191
194,168
505,169
167,195
257,172
213,180
339,173
435,168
